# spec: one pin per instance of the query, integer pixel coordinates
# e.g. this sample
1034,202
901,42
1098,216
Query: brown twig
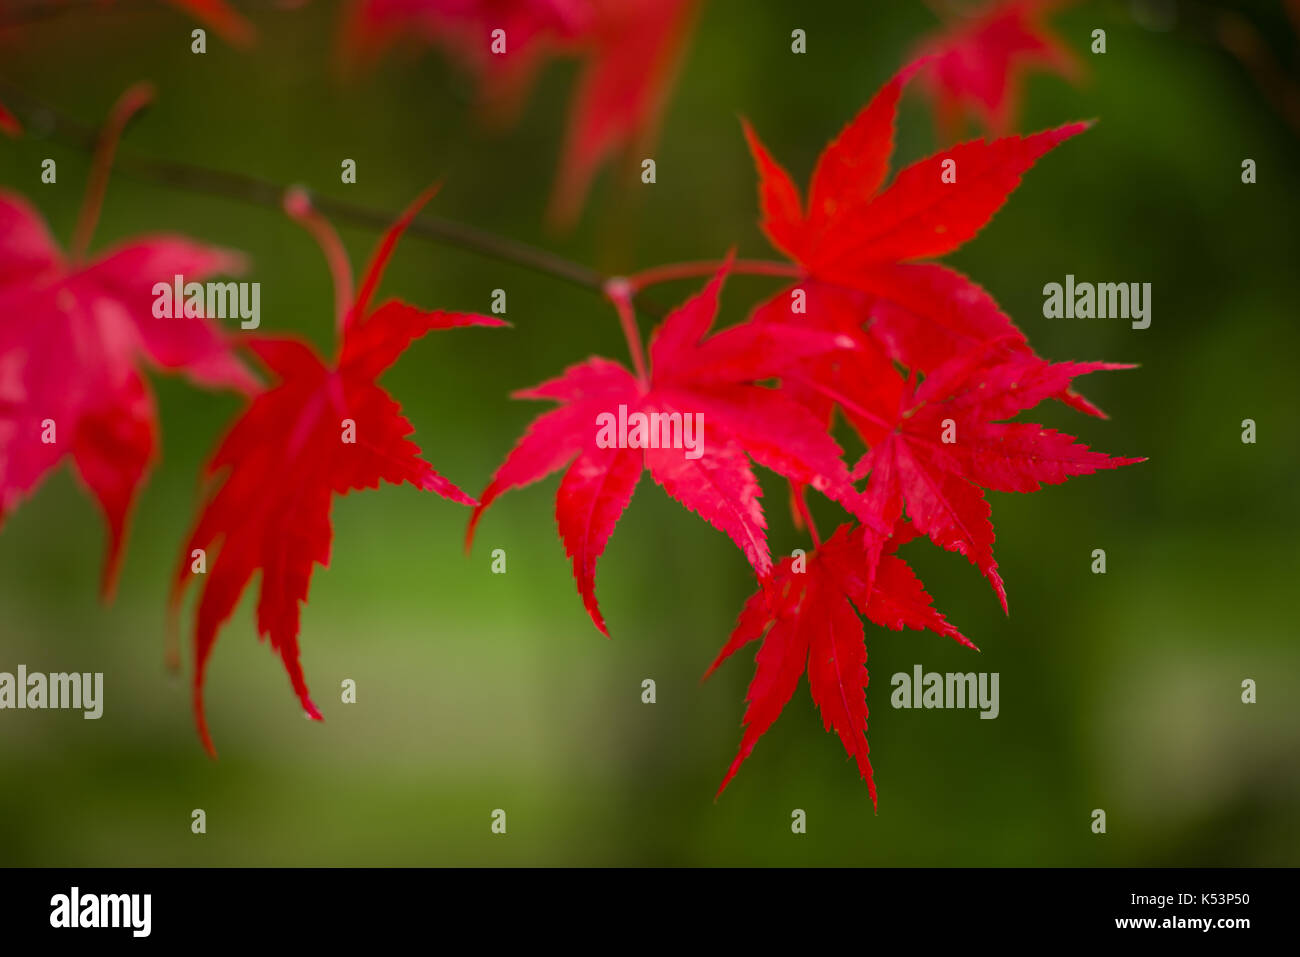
45,121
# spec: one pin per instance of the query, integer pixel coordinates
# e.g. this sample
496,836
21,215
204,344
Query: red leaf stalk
127,106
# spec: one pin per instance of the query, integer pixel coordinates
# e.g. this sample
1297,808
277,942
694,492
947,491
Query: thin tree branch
48,122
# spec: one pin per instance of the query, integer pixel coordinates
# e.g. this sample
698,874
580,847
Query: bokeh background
481,691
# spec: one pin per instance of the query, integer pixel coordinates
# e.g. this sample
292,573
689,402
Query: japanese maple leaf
708,379
855,233
322,430
943,443
978,65
807,622
630,49
73,334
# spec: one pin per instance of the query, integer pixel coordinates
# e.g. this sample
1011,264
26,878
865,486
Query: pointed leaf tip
384,251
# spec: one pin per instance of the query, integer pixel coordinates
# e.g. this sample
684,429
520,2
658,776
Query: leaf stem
619,291
128,105
799,495
299,206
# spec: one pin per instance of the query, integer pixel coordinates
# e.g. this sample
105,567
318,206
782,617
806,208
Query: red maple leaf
856,234
859,240
710,380
630,49
943,442
73,333
321,431
978,65
806,620
936,439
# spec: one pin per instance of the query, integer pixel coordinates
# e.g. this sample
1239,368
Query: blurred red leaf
72,337
978,65
629,50
228,22
9,123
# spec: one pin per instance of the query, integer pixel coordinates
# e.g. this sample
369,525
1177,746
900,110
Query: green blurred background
480,691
